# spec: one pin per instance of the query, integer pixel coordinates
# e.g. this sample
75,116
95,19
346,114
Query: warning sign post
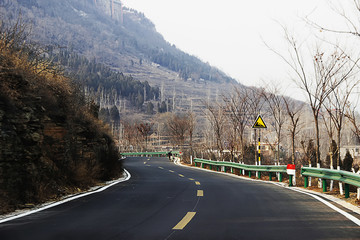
259,124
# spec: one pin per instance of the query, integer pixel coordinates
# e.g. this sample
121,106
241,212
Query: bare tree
191,128
217,118
277,108
131,134
353,25
318,81
237,106
330,131
294,110
339,98
14,35
145,129
338,103
178,127
353,117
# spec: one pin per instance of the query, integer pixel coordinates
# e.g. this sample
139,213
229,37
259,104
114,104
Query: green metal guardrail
149,153
346,177
250,168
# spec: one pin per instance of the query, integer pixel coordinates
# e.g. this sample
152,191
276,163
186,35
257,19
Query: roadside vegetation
51,141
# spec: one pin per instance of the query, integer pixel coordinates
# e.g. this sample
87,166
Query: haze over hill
125,40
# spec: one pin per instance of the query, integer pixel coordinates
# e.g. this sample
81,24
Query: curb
22,213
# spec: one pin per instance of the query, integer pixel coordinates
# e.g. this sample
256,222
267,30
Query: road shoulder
330,198
25,212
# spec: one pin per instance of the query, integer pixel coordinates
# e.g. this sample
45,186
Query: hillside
124,40
52,143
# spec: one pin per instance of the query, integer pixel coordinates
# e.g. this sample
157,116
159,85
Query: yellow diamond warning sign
259,123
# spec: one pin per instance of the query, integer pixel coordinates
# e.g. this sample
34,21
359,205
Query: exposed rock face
113,8
50,142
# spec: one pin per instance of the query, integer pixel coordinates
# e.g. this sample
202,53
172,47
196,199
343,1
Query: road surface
165,201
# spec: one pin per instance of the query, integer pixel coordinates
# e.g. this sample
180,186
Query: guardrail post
324,185
306,181
232,170
224,169
280,177
210,166
259,175
249,174
195,164
290,181
347,188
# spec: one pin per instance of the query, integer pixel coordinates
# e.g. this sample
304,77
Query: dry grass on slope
51,141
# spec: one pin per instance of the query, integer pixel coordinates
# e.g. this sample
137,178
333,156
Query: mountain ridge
134,36
128,44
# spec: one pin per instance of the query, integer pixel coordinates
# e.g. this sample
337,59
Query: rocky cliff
51,142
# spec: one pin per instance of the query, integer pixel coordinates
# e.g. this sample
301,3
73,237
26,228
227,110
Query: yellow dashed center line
161,167
181,175
144,162
171,171
200,193
197,183
191,179
184,221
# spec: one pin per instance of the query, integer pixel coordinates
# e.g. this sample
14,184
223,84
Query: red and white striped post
290,170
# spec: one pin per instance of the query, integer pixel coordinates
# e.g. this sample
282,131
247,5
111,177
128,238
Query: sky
231,34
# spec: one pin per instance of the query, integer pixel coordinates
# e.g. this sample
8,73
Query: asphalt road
166,201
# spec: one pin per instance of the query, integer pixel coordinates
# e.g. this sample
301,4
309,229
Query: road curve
166,201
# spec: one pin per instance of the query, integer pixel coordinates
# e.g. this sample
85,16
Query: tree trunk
278,147
293,147
338,147
242,147
317,147
191,146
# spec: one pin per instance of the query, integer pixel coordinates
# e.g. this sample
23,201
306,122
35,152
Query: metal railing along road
175,153
223,166
346,177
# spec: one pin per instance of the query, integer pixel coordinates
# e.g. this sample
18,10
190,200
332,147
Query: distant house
155,65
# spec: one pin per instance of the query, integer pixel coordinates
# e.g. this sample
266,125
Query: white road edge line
347,215
112,183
